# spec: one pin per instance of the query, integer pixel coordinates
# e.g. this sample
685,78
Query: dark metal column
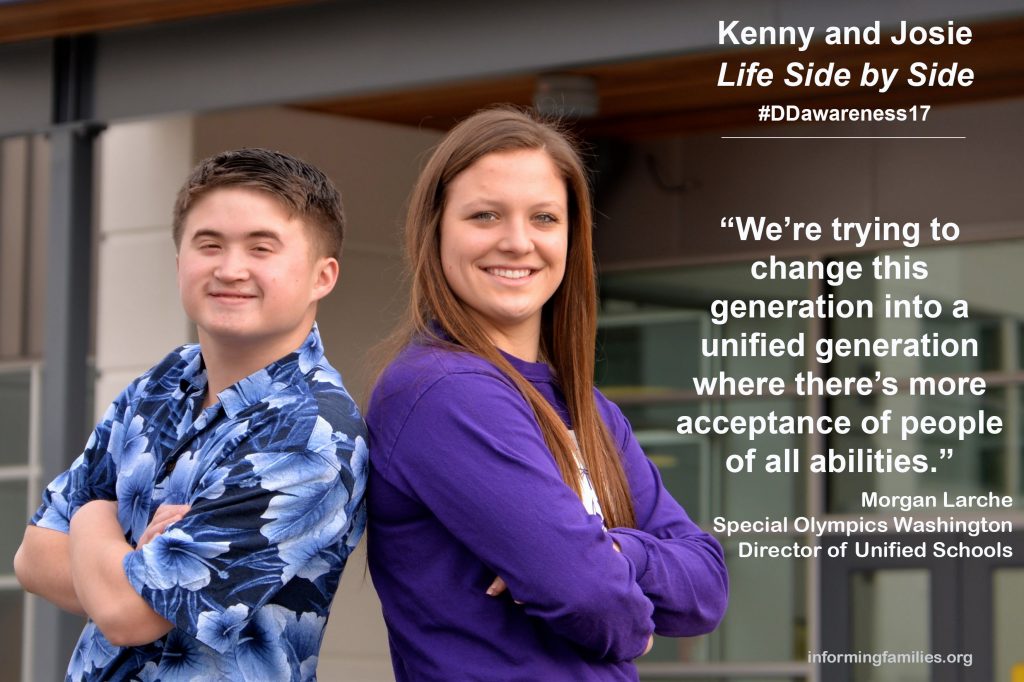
68,277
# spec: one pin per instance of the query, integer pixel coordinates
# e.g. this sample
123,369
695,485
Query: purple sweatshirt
463,488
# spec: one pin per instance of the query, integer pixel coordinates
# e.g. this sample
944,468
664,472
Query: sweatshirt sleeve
472,452
679,567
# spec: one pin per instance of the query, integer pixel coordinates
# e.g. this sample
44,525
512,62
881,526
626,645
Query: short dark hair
304,190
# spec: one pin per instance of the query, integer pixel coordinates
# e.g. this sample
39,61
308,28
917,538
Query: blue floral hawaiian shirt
274,473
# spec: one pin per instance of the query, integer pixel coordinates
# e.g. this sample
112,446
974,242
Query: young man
204,529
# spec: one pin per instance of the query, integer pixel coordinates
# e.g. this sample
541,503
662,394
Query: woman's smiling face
504,239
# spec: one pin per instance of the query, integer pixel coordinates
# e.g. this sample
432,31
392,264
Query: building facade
100,130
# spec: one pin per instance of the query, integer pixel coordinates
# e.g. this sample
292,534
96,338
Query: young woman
517,531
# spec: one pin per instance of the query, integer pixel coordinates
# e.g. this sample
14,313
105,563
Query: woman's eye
484,216
546,218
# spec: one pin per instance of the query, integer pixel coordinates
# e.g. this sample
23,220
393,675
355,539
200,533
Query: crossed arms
81,571
493,489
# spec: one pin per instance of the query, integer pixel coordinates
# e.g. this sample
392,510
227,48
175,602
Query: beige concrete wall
139,315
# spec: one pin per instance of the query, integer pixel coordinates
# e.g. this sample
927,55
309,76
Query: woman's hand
497,587
166,514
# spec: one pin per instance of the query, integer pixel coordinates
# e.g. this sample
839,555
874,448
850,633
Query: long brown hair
569,318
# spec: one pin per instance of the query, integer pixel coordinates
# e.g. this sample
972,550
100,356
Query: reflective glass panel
891,611
14,417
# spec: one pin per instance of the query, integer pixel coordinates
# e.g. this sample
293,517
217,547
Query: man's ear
327,270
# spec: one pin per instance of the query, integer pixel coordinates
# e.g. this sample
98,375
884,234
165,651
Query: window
650,350
19,486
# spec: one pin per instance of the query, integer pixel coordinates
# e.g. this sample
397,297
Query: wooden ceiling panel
31,19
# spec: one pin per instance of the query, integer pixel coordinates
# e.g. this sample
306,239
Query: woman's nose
516,237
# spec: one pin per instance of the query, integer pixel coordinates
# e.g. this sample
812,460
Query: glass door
993,624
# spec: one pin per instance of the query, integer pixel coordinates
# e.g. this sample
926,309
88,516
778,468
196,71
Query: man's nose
232,266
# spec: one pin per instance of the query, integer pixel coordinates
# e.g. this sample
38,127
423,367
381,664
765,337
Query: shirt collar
263,383
193,377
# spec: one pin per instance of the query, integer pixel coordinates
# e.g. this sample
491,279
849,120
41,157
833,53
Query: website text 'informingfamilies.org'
880,658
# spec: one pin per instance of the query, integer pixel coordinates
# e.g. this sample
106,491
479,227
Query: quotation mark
944,453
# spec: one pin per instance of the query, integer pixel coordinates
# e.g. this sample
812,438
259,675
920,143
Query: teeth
509,273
